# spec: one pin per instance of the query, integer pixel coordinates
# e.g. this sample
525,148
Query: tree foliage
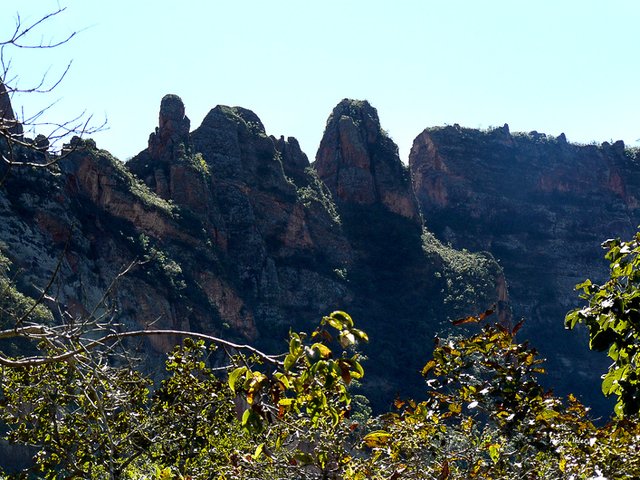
612,316
484,415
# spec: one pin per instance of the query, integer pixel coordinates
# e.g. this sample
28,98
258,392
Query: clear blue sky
552,66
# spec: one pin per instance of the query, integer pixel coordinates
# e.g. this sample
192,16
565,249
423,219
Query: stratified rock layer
542,207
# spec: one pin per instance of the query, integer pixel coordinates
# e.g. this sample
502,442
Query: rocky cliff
408,283
540,205
359,163
232,232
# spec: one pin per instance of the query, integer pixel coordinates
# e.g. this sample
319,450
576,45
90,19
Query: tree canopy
297,415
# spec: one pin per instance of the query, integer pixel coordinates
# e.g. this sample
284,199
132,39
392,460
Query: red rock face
360,164
542,207
172,131
431,174
236,235
236,183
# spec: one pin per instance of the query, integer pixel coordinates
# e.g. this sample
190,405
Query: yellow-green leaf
289,361
342,317
258,452
233,377
376,438
494,452
346,339
322,350
428,367
360,335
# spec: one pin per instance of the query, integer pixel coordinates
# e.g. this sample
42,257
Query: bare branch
23,331
13,126
21,32
38,330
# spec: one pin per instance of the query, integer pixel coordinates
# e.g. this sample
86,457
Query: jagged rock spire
171,138
359,163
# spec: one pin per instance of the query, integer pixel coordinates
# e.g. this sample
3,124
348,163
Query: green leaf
258,452
233,377
246,416
376,438
358,371
283,379
319,350
494,452
289,361
572,319
610,382
343,318
360,335
295,344
336,323
584,286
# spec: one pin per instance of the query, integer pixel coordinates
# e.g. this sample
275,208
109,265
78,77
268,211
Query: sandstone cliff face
93,218
228,177
359,163
398,266
235,233
238,234
541,206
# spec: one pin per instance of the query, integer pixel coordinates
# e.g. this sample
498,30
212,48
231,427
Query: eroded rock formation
8,121
236,234
359,163
540,205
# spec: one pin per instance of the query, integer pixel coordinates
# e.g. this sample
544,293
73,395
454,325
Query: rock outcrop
228,178
294,161
171,138
235,233
359,163
542,207
398,266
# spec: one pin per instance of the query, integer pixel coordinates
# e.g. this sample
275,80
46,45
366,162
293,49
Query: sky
551,66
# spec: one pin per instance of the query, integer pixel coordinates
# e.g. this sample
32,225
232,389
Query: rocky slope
541,206
233,232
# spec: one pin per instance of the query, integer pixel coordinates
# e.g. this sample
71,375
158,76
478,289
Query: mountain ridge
236,233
